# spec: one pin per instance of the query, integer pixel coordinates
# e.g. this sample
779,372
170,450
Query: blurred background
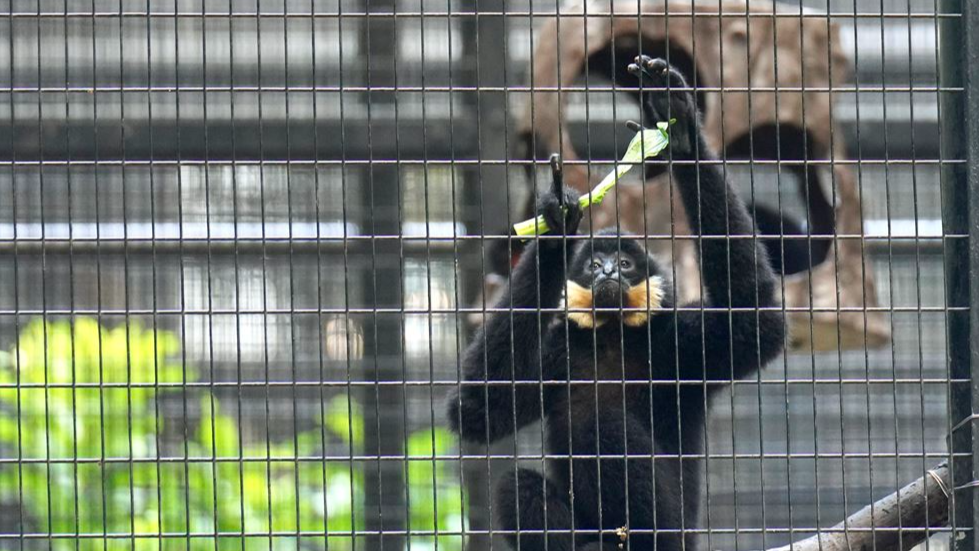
239,238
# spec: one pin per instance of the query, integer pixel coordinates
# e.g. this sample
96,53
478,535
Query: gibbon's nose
609,269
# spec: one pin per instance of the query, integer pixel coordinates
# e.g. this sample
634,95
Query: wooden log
897,522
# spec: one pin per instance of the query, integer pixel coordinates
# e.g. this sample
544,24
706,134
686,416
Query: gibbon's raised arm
746,330
507,348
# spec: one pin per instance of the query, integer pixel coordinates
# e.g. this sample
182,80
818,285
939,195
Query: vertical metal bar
397,193
949,421
71,300
407,364
293,326
960,214
318,258
18,405
209,280
44,297
155,308
438,419
182,299
264,274
917,262
238,287
971,81
890,259
127,295
750,113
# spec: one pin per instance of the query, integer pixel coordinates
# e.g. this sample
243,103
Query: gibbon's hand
672,99
559,205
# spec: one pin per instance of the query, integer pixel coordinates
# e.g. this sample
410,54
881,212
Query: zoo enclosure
296,195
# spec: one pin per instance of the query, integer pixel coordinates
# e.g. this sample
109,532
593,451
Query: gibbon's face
614,273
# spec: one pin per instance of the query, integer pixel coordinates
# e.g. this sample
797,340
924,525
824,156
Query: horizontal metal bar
527,89
309,534
458,458
110,233
446,311
481,384
592,13
597,163
412,244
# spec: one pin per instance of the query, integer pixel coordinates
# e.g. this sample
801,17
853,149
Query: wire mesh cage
246,247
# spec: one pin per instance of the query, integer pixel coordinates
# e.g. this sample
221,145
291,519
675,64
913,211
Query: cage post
485,42
384,480
960,117
489,47
970,67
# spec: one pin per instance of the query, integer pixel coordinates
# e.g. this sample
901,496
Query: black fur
615,396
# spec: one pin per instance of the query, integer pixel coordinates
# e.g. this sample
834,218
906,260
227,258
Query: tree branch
897,522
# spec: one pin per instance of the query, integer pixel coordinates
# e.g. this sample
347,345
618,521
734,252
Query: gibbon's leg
601,483
522,499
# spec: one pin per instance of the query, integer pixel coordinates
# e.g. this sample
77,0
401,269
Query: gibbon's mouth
608,294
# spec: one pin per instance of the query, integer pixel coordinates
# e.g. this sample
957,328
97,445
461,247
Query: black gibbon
625,375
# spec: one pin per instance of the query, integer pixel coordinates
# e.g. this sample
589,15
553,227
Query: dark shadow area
796,254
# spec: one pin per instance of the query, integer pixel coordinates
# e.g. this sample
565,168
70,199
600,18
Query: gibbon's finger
557,178
633,125
640,72
644,67
650,64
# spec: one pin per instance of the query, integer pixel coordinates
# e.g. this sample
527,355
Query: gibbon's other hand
559,205
671,98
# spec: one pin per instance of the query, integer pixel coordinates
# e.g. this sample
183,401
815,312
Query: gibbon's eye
625,264
596,264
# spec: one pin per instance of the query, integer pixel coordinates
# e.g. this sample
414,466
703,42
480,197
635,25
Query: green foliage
436,499
78,409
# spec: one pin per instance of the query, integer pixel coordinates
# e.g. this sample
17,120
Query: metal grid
291,200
